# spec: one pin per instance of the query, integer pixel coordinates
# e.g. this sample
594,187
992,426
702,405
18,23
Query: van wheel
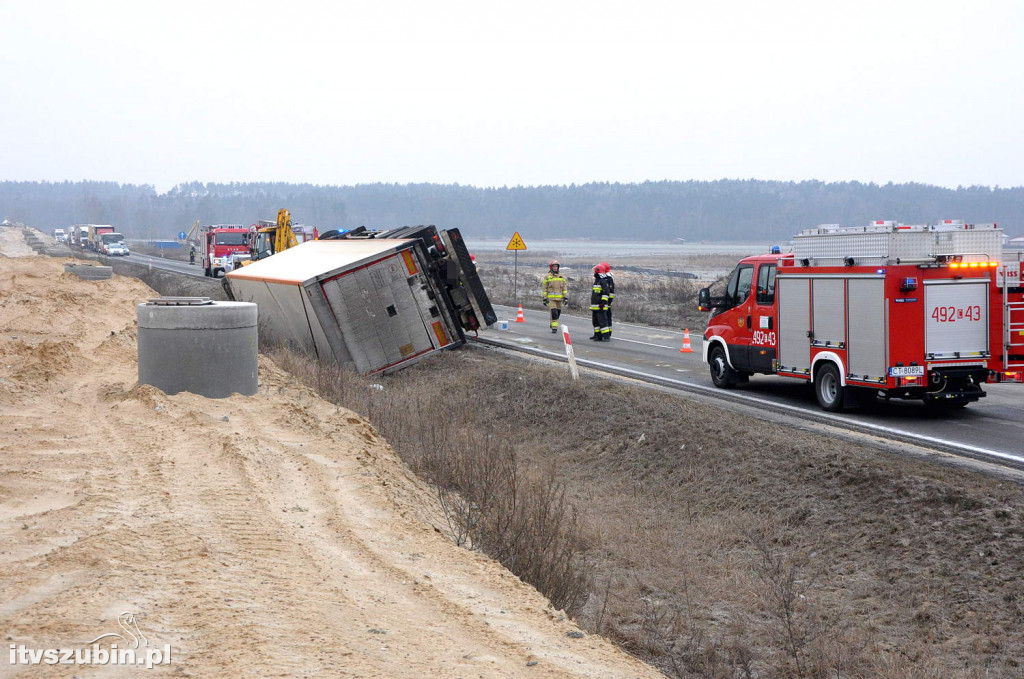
723,376
829,388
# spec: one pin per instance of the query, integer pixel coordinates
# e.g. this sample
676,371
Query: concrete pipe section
89,272
194,344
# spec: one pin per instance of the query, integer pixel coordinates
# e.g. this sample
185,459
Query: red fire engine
914,312
218,243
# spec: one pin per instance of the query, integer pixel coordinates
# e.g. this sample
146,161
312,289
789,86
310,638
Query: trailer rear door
379,313
956,318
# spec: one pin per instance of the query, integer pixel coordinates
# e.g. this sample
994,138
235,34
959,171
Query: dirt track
273,535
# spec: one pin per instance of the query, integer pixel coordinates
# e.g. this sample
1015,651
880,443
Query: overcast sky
512,93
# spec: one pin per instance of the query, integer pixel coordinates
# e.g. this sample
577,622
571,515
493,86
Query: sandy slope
274,535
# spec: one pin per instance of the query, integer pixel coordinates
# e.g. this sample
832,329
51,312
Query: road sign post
516,244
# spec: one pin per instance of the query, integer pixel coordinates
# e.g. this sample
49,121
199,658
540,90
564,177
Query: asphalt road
166,264
992,427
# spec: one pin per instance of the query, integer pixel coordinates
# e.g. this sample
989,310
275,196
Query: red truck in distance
218,243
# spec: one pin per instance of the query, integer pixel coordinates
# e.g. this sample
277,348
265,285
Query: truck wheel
723,376
206,272
829,388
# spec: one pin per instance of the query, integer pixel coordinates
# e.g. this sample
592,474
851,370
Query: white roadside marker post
569,353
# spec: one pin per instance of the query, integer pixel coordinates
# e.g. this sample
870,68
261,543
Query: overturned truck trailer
376,304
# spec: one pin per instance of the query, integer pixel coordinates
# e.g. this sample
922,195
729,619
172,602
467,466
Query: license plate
906,371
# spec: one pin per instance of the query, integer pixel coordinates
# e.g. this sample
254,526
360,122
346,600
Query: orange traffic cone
519,316
686,343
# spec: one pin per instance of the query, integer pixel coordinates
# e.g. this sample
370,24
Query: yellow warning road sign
516,243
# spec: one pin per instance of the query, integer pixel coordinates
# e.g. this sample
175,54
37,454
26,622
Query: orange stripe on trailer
442,336
410,263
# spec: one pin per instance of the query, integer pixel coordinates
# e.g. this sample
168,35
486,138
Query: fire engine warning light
972,265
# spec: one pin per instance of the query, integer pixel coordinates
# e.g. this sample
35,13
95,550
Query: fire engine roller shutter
955,318
794,321
829,319
866,309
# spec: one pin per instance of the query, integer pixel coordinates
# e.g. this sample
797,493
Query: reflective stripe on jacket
599,293
555,286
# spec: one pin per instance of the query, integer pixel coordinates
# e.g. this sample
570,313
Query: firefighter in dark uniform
599,306
192,254
606,269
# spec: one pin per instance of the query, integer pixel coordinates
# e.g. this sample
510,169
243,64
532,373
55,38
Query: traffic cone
686,343
519,316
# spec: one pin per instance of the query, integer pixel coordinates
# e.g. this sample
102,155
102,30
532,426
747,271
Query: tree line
721,210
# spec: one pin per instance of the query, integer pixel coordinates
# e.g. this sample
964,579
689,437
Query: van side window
739,284
766,284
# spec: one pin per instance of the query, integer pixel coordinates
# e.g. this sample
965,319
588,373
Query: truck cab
741,337
108,239
220,244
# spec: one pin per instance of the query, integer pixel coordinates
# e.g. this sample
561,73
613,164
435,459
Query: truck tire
206,272
722,375
828,388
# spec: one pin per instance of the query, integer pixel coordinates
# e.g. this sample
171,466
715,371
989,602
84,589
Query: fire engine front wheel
829,388
722,375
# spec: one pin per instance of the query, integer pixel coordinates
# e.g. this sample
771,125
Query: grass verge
705,543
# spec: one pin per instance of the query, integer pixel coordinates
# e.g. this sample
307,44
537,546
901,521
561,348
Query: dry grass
720,546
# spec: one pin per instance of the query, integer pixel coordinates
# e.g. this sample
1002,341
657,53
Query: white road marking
660,346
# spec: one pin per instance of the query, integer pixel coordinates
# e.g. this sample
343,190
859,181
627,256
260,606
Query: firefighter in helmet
599,305
555,289
192,253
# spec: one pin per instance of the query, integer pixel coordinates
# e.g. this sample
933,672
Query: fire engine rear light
915,381
1017,376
